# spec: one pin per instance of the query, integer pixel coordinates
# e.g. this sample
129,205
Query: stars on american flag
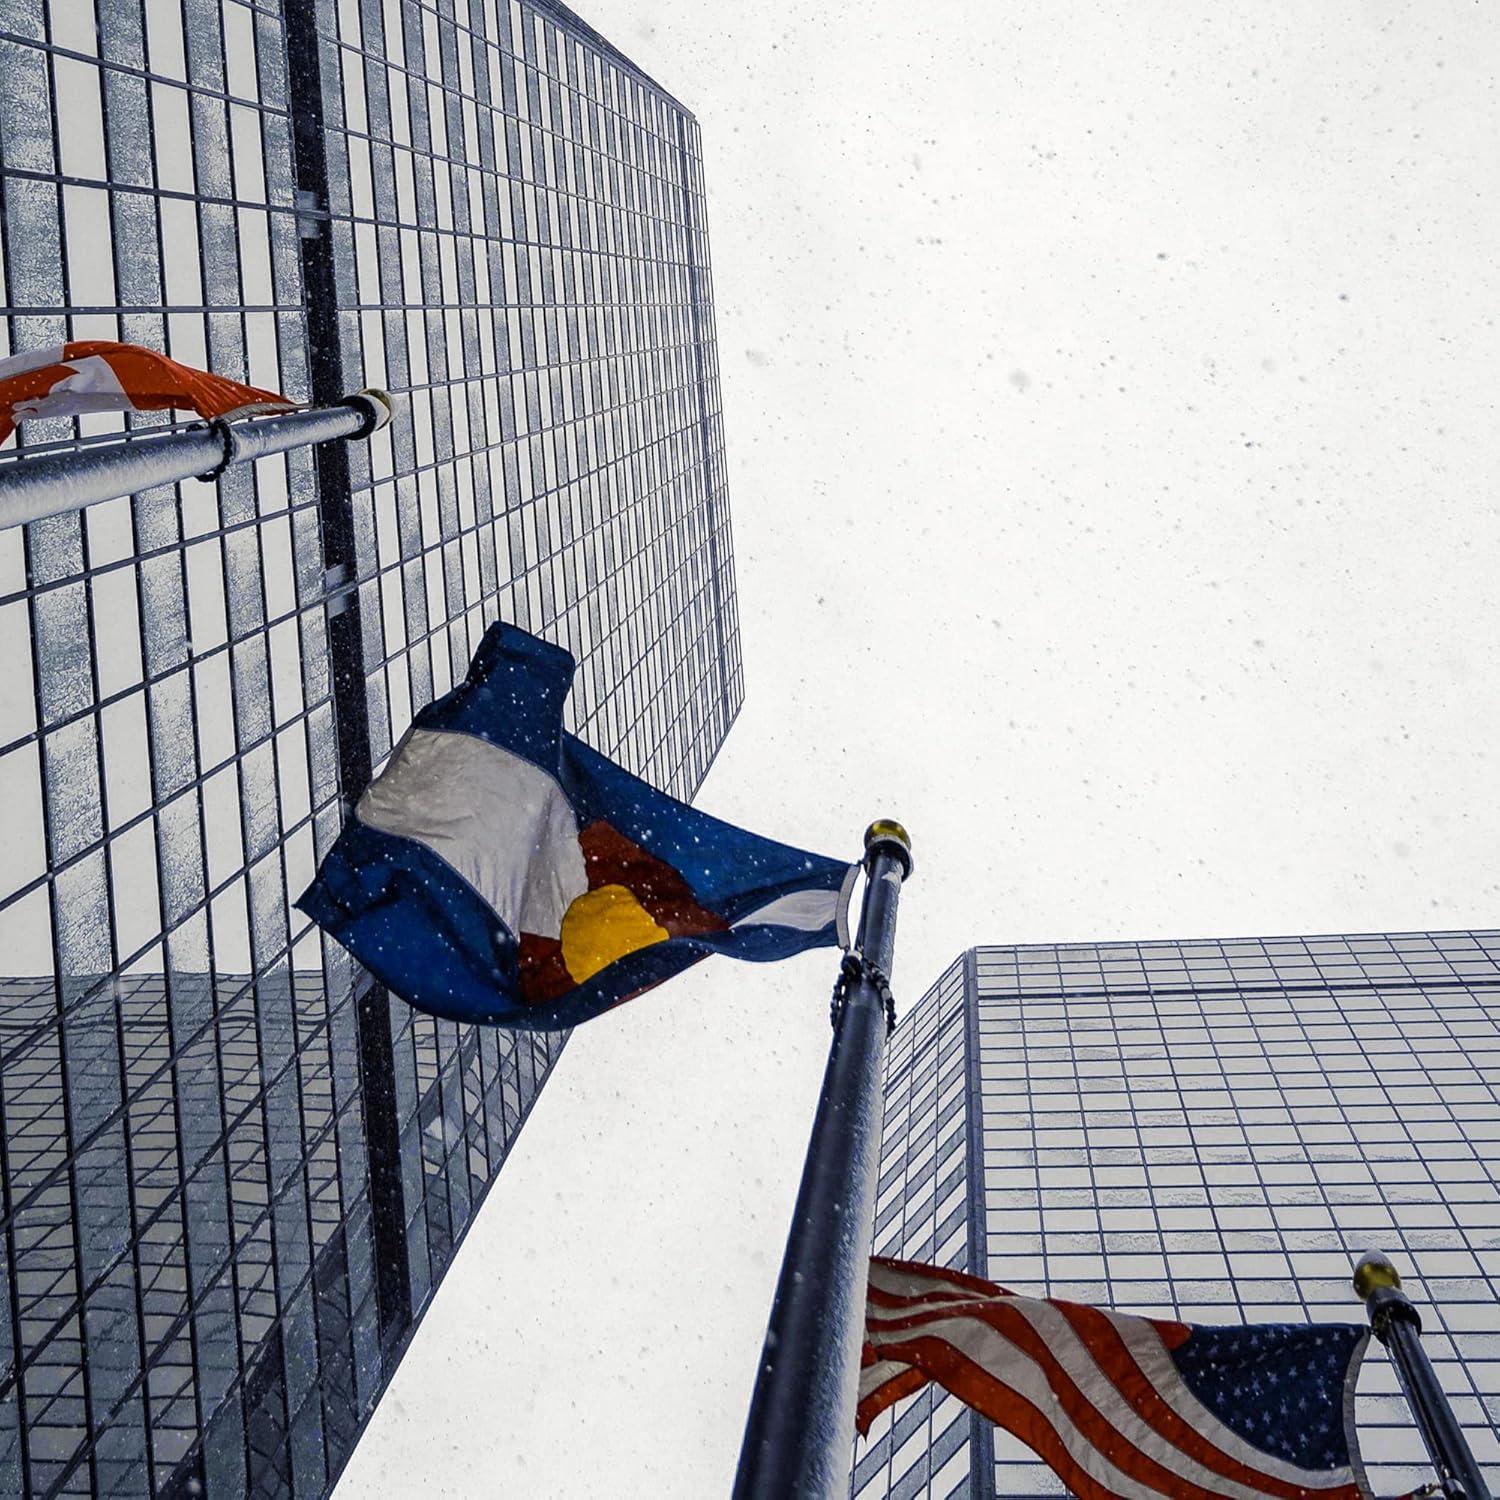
1280,1385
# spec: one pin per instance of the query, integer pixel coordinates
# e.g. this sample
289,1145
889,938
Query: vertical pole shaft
1398,1326
800,1430
327,353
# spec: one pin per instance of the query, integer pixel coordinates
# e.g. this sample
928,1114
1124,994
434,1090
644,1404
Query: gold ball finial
888,834
887,828
1373,1272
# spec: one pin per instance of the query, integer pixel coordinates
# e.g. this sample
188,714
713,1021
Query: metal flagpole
1398,1326
33,486
800,1431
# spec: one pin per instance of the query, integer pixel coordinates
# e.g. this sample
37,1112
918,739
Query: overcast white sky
1109,392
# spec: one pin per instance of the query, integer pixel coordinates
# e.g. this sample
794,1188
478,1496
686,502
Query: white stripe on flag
1062,1341
1156,1362
501,822
91,386
30,359
872,1377
806,911
1018,1371
900,1283
1072,1354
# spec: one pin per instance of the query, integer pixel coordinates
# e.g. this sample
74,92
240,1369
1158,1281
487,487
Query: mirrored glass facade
1213,1131
233,1171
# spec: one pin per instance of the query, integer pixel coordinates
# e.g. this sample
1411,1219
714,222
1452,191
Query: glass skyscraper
233,1170
1213,1131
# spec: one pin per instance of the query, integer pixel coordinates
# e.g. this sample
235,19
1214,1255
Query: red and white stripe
1095,1394
95,375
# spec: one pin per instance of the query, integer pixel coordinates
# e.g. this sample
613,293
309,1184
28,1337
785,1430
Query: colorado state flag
499,870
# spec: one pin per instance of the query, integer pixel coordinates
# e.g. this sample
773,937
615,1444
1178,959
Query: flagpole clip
852,970
224,431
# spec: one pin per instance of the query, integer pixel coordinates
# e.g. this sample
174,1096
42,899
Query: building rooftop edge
575,22
1249,937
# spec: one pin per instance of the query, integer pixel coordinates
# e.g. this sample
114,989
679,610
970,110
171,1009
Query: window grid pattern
515,219
188,1259
922,1212
1216,1131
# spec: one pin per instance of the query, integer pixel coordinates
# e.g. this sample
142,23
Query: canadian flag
67,380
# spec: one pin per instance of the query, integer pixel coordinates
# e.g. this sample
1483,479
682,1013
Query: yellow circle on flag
603,925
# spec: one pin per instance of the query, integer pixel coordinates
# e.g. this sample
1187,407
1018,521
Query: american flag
1122,1407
